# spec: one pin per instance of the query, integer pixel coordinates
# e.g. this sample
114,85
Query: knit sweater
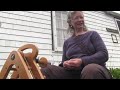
89,47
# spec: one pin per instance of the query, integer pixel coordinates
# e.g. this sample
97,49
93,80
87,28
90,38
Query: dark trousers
91,71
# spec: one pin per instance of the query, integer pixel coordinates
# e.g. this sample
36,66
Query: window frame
118,28
55,46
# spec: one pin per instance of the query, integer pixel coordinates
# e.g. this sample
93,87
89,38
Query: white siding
22,27
99,21
57,57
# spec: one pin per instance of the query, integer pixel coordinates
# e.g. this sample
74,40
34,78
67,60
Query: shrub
115,73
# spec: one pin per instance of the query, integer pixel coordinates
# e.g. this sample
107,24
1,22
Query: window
118,23
114,38
59,29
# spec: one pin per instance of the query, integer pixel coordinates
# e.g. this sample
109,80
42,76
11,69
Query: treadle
25,65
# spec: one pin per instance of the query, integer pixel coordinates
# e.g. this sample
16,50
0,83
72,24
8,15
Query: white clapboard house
48,30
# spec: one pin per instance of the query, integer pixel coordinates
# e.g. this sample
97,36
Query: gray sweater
89,47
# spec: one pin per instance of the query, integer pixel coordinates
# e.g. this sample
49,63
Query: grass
115,73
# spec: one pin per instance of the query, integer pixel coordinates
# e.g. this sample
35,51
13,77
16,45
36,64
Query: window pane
58,23
61,27
59,37
66,35
64,15
65,25
58,14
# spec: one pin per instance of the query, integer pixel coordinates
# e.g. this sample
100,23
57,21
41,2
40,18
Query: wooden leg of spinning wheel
15,75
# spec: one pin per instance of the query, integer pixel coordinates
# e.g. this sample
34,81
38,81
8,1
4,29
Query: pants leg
57,72
95,71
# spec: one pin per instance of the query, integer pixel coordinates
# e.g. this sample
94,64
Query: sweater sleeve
101,55
64,58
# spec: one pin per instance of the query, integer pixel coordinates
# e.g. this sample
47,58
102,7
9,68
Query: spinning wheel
23,65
